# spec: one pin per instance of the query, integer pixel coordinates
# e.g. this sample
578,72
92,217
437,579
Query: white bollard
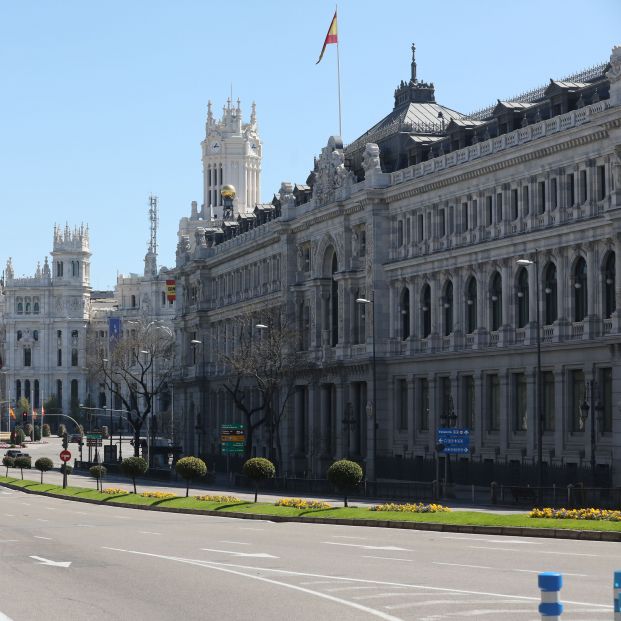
616,602
550,584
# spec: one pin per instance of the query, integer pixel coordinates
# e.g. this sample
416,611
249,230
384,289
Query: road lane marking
462,565
8,515
248,554
236,543
294,587
390,558
538,551
421,587
42,520
84,525
251,529
9,540
148,532
3,617
347,588
366,547
39,537
509,541
347,537
49,563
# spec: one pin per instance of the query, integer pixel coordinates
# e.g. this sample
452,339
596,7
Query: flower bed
300,503
576,514
159,495
411,507
217,498
114,490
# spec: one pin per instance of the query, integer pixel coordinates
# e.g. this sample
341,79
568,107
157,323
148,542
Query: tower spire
413,65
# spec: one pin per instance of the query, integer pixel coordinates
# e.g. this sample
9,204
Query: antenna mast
151,261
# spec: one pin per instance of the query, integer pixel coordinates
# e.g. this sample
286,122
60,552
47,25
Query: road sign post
232,442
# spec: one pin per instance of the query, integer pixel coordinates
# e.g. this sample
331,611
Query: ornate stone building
427,215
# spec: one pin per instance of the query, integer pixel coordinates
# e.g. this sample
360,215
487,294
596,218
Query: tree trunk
256,491
22,471
137,441
346,501
41,477
187,488
134,480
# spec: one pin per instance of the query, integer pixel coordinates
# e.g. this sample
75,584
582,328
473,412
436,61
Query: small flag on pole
331,37
11,412
34,414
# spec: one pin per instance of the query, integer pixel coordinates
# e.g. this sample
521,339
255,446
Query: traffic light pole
65,446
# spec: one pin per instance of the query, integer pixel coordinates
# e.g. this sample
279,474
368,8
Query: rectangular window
423,404
576,399
514,204
488,211
583,186
571,190
541,196
402,404
601,183
446,404
475,213
547,381
553,194
464,217
400,233
408,231
493,402
520,413
525,201
59,358
499,207
469,401
74,357
606,399
451,220
441,223
421,229
27,356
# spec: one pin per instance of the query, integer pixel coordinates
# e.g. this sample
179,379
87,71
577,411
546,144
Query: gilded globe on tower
228,191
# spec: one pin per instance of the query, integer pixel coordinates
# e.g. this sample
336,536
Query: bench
523,494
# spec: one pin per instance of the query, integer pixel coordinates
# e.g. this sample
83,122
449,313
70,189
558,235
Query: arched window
580,290
448,308
522,297
550,294
133,301
610,302
19,335
334,305
20,306
405,313
18,390
471,305
425,309
495,294
35,306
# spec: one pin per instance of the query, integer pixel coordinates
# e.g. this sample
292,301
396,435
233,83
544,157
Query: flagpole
338,75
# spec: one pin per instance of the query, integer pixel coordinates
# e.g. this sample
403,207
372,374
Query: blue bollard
616,602
550,584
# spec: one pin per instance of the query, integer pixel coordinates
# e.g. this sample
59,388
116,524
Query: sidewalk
81,478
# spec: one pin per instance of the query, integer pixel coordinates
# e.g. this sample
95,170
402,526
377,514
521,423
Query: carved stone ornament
332,174
371,159
614,73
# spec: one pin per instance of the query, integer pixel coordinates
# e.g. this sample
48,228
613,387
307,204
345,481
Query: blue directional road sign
455,441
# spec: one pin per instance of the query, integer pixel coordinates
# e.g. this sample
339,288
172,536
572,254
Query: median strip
465,522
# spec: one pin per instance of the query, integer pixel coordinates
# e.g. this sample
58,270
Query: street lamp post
539,395
150,425
373,457
110,404
198,428
448,419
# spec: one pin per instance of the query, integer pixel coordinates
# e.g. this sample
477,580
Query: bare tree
138,368
263,354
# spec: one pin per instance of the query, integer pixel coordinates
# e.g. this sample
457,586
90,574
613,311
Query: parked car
15,453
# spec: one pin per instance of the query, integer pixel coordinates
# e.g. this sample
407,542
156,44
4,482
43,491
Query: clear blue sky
104,102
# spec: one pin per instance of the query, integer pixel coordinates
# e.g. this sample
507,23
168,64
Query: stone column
411,413
560,420
505,411
531,419
616,316
340,430
594,290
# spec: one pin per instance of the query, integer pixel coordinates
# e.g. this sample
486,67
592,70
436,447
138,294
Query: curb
508,531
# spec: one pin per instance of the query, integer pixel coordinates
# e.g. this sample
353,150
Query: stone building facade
432,237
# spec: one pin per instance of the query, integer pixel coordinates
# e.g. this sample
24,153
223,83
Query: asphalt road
127,564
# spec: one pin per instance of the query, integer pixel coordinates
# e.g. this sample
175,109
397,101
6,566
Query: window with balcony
550,294
405,313
447,302
471,305
580,289
522,298
496,301
608,285
426,311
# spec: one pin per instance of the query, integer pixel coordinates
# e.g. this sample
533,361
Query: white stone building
427,214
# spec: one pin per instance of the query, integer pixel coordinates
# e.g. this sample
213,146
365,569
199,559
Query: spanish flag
34,414
11,413
331,37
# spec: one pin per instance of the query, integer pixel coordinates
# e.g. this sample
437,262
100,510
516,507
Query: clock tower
231,153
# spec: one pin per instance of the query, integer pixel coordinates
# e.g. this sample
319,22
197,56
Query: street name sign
454,441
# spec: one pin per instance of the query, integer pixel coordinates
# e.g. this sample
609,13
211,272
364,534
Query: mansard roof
557,86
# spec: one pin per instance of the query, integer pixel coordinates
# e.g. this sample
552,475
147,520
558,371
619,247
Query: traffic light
65,440
25,417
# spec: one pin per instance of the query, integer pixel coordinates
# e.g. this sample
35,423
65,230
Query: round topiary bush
345,475
61,430
134,467
258,469
17,436
37,433
8,462
28,430
46,431
98,472
66,467
21,462
189,468
43,464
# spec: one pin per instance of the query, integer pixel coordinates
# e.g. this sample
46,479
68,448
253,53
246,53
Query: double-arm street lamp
539,392
371,474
